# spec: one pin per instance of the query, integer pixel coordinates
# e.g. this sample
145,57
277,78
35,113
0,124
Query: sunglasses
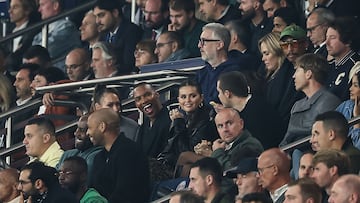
293,43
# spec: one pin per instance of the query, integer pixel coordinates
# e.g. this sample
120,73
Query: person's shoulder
93,196
129,121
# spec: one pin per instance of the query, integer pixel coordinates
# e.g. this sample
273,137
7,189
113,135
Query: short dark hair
209,166
336,121
100,90
317,64
79,162
242,31
38,170
309,189
110,5
258,197
175,37
234,82
186,5
37,51
287,14
52,74
188,197
333,157
348,34
32,68
45,124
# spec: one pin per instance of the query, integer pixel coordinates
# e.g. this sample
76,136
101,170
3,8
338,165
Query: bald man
120,170
273,171
346,189
77,64
8,185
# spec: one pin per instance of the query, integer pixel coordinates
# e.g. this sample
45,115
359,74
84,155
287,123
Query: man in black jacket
120,170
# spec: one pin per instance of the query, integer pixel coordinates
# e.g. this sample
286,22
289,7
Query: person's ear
39,184
227,94
209,179
220,45
102,126
333,170
56,5
308,74
174,46
46,137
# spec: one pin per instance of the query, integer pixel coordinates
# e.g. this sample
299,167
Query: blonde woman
278,72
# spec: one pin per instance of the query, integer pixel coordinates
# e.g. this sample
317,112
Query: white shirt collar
278,192
20,102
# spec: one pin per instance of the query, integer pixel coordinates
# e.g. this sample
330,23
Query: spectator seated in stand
233,137
278,71
73,175
40,141
145,53
310,76
190,123
37,54
330,131
284,17
110,98
46,77
84,148
59,31
350,108
170,47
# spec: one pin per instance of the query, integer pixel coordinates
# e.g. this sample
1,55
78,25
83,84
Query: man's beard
249,15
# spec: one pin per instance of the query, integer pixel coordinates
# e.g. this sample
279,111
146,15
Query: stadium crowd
276,71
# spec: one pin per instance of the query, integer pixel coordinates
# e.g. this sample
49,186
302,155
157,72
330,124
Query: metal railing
293,145
40,24
26,108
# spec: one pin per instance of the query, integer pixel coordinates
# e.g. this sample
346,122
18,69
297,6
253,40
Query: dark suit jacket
122,174
124,42
154,139
14,60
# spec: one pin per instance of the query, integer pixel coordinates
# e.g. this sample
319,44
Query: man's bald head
77,64
278,157
107,116
8,184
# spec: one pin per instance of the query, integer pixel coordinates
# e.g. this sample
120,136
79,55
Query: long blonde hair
7,93
272,42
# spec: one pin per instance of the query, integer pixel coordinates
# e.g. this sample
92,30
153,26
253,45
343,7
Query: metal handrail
48,21
15,147
304,140
126,80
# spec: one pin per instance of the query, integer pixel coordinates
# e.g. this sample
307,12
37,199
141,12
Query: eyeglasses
159,45
73,66
139,52
261,170
65,173
203,40
311,29
293,43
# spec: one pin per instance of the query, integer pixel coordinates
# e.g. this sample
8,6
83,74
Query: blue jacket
346,108
207,78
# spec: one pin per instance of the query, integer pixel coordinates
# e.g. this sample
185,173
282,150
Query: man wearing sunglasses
293,42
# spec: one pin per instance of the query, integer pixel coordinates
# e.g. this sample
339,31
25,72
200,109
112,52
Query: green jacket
245,139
